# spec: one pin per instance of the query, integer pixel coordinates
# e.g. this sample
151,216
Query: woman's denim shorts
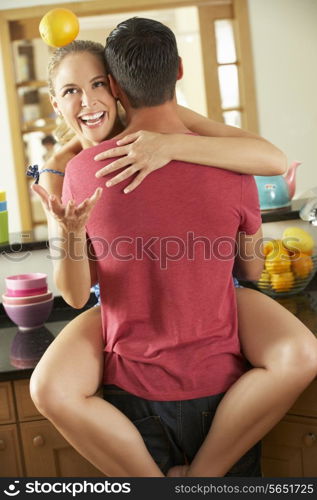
173,431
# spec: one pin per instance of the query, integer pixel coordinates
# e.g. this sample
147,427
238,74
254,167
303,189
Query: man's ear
114,87
180,69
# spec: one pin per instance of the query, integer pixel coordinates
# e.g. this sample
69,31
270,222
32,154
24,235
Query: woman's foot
178,471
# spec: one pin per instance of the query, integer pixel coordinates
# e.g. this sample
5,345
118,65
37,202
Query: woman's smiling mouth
93,119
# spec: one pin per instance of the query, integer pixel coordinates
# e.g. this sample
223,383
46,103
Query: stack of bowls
27,300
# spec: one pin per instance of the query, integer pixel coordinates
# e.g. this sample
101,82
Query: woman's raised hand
141,152
72,217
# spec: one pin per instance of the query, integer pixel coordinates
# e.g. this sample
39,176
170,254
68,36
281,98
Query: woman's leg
284,354
63,387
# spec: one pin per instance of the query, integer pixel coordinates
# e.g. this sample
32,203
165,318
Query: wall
36,261
284,42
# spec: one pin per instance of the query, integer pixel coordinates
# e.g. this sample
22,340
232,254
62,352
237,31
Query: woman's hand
141,152
72,217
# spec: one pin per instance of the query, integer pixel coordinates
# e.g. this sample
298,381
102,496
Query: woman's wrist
71,233
172,146
57,162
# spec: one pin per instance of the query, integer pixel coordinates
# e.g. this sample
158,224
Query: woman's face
83,97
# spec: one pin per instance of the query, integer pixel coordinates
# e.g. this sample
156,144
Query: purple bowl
29,315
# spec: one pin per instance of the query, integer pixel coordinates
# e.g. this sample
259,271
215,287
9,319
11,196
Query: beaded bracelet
33,171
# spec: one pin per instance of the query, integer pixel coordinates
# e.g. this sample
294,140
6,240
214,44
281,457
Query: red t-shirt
165,257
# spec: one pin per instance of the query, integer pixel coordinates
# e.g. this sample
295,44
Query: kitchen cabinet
29,444
290,449
10,452
47,454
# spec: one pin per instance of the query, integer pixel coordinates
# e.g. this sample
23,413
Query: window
228,67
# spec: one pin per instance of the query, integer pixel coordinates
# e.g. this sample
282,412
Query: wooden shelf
32,126
32,83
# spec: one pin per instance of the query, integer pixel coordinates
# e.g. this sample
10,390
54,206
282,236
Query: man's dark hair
141,54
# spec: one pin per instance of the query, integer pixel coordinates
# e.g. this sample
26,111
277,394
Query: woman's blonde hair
62,132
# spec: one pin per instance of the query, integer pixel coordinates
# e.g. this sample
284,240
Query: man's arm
249,261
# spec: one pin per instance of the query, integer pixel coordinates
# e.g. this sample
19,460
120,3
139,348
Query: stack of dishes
27,300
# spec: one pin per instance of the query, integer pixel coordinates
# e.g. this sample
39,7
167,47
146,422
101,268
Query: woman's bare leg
284,353
63,387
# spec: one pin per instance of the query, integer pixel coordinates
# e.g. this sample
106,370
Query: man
165,267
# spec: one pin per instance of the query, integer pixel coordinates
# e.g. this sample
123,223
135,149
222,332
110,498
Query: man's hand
141,152
72,217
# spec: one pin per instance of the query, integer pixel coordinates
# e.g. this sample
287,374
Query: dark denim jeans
173,431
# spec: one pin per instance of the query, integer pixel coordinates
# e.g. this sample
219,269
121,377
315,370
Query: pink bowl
18,301
29,315
29,281
31,292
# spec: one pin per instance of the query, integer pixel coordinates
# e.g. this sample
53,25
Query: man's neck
163,119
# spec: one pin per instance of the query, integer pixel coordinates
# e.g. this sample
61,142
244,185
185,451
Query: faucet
309,211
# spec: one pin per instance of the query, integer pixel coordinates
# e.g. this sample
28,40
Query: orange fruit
59,27
302,265
264,281
282,282
277,259
278,266
268,247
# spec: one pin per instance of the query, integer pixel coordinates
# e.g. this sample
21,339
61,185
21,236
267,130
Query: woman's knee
298,357
49,395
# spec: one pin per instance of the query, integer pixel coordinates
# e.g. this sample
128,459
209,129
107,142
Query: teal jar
273,192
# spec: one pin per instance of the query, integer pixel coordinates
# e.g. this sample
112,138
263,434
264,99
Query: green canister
4,227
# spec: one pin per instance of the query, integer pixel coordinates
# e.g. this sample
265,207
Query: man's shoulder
87,155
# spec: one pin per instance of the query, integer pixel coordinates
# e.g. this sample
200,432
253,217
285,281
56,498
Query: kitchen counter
12,342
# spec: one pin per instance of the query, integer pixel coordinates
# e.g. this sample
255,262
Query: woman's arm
54,183
64,268
225,149
73,271
218,145
71,266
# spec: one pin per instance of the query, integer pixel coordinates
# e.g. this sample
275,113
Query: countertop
13,342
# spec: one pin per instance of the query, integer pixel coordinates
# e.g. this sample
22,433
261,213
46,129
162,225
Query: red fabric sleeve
250,214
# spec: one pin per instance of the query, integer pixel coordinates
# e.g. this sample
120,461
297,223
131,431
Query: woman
280,348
